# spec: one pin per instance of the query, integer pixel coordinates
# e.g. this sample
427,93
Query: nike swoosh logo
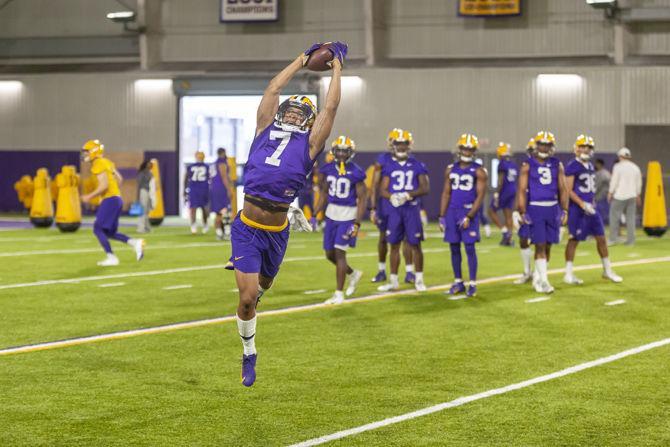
238,257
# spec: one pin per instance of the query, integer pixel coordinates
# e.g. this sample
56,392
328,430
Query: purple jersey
215,169
543,180
463,185
278,164
585,179
404,176
509,172
342,188
198,176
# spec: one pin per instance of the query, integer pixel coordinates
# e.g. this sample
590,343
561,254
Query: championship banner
249,11
489,8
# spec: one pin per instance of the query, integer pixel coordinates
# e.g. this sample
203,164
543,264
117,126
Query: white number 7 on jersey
285,137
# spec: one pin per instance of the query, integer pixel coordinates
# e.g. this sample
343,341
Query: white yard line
483,395
283,311
178,287
49,282
69,251
112,284
615,302
314,292
457,297
538,299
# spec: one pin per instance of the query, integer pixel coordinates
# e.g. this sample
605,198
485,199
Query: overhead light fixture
10,86
560,80
602,3
121,16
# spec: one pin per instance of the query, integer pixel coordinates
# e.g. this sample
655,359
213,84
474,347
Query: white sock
541,267
381,266
111,256
247,331
219,232
339,294
226,230
456,280
409,268
607,266
473,283
568,268
394,279
132,242
419,276
504,229
525,259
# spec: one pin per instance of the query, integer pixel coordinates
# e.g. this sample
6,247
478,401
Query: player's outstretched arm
481,190
446,192
424,187
563,195
362,195
267,109
521,188
323,123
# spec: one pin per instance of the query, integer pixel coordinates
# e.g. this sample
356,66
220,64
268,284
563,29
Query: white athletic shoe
205,229
546,287
335,299
355,276
524,278
419,285
139,248
110,261
572,279
487,230
194,229
612,277
388,287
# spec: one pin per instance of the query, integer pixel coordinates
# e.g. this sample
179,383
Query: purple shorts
256,250
198,198
219,199
581,225
381,218
404,223
504,202
545,224
524,231
107,216
454,234
334,235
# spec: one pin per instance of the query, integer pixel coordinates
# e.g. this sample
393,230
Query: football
318,60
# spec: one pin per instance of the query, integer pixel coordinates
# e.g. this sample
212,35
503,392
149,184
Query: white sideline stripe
69,251
314,292
283,311
49,282
457,297
112,284
633,255
538,299
483,395
615,302
181,286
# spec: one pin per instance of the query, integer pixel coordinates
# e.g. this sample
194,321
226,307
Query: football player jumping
462,197
545,206
342,185
404,179
583,220
107,217
289,138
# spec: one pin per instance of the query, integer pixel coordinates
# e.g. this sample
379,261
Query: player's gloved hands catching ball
352,231
297,220
339,50
589,209
442,222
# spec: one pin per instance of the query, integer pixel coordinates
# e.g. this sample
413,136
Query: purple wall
15,164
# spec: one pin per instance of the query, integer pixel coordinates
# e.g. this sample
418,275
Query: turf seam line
483,395
286,310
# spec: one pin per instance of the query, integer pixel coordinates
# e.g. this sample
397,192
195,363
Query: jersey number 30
339,187
276,135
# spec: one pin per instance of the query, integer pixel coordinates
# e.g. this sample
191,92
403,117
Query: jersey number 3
277,135
545,175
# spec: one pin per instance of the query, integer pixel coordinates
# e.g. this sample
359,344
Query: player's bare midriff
264,216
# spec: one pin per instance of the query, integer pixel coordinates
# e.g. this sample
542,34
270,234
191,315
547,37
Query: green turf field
324,369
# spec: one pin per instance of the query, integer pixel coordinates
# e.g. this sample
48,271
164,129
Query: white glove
517,220
589,209
297,220
399,198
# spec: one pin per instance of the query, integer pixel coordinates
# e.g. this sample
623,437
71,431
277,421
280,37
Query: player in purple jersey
379,207
583,220
196,189
221,193
504,195
462,198
523,231
289,137
342,186
542,201
404,179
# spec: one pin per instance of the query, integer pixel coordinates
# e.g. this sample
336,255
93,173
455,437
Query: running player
404,180
583,220
106,223
504,194
289,137
342,185
462,197
221,192
545,205
524,232
379,207
196,188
